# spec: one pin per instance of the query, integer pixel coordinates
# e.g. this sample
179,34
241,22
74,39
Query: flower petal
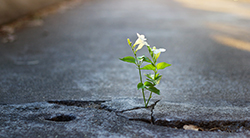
162,49
140,42
141,36
156,51
140,46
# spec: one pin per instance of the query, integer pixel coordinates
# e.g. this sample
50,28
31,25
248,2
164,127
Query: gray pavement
74,56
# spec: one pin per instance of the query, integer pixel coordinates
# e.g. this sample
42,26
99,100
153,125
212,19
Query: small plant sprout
152,78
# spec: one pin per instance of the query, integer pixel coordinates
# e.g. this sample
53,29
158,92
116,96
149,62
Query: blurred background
75,54
12,9
227,33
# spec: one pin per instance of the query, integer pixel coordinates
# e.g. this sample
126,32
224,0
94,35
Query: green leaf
140,86
140,58
148,67
153,79
129,42
157,75
153,89
143,58
151,76
146,59
128,59
157,79
156,56
162,65
147,83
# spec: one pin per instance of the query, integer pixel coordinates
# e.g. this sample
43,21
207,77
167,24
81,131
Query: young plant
152,78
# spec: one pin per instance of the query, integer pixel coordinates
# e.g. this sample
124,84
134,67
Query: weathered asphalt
74,56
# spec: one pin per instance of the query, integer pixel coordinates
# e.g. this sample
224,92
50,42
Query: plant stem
143,94
149,99
151,92
139,68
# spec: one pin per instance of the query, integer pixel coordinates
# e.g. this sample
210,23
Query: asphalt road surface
75,54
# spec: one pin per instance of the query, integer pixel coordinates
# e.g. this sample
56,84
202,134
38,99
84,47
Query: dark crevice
141,119
134,119
151,120
60,117
136,108
152,112
216,125
84,104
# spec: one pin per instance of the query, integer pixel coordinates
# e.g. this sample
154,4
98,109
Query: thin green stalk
149,98
142,88
143,94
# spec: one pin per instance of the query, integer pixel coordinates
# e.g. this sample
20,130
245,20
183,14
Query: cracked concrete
28,120
134,112
177,115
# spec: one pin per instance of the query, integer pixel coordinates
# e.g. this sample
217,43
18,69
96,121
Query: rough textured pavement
74,56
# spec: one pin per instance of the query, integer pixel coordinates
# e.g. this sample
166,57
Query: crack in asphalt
151,120
204,125
99,105
152,112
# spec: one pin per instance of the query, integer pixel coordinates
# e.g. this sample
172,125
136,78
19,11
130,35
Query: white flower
141,41
156,51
